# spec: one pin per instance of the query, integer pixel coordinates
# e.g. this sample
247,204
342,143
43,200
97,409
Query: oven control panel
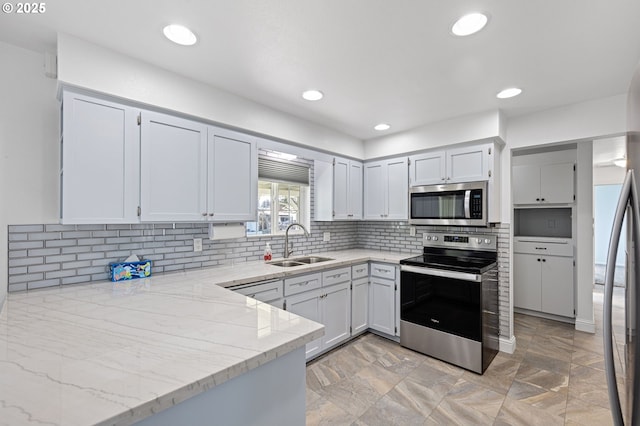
461,241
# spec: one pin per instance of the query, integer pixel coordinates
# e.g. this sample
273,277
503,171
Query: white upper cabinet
338,189
468,164
233,179
386,190
465,164
543,184
341,189
427,169
354,210
99,161
173,169
194,172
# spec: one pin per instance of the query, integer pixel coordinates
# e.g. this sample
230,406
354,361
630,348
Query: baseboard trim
586,326
508,345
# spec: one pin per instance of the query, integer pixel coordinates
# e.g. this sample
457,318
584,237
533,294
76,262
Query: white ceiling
375,60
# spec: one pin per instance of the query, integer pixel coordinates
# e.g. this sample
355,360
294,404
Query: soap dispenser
267,252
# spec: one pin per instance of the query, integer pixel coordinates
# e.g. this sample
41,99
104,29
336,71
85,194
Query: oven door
462,204
443,300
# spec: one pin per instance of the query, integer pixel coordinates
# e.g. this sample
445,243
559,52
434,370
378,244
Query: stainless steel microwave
458,204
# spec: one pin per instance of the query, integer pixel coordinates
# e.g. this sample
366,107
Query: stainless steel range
449,299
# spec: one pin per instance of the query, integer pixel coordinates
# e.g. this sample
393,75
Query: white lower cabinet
335,309
544,282
307,305
329,305
359,298
382,299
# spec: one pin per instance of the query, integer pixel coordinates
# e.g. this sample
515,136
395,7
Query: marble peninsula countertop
114,353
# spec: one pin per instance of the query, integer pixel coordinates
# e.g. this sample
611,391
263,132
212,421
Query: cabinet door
340,189
556,183
173,169
307,305
382,305
359,305
467,164
525,185
374,190
427,168
397,189
557,285
233,176
336,314
526,281
100,170
355,190
323,190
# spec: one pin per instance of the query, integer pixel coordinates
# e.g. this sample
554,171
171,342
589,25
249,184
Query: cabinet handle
541,248
538,260
204,214
303,283
349,215
381,215
537,199
544,260
541,199
382,270
360,270
210,214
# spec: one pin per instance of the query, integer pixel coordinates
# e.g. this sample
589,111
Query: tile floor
555,377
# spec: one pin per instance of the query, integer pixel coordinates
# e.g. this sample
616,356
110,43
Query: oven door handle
464,276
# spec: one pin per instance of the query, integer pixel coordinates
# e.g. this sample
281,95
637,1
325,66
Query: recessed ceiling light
509,93
180,34
469,24
312,95
382,126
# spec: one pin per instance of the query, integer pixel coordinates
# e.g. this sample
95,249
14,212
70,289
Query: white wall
584,238
576,122
28,145
609,175
89,66
481,126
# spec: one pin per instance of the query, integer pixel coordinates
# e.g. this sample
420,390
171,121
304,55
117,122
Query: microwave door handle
467,204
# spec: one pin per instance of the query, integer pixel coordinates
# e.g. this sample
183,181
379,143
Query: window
283,197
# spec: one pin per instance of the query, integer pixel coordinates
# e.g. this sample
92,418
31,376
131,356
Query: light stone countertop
114,353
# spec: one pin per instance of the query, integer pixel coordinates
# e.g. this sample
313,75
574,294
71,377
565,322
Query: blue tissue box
121,271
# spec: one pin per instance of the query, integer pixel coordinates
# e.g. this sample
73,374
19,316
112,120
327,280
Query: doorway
609,167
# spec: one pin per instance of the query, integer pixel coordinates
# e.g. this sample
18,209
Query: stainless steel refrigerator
625,399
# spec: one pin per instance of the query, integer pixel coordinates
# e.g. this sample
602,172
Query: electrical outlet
326,236
197,244
412,231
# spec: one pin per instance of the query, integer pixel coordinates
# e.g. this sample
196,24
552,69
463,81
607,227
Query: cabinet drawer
359,271
336,276
264,292
382,270
551,248
302,283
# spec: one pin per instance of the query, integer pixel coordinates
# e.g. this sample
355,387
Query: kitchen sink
299,261
286,263
312,259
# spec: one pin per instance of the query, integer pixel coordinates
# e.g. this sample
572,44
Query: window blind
282,171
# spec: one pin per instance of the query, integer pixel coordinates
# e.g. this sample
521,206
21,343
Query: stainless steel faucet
287,252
